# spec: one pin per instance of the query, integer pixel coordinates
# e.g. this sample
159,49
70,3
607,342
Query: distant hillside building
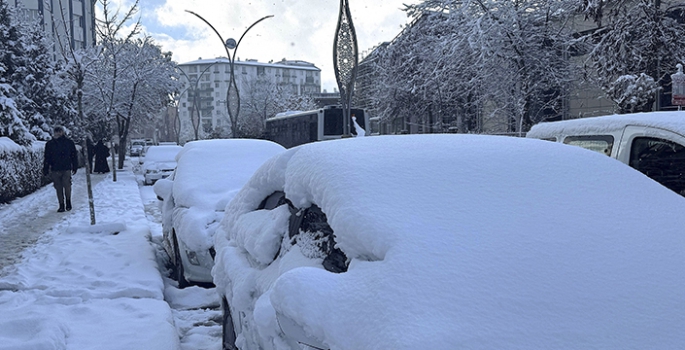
76,29
209,78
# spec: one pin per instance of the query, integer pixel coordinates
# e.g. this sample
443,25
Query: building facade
207,83
71,23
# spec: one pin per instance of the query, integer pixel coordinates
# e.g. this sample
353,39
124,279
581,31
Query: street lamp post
345,61
232,94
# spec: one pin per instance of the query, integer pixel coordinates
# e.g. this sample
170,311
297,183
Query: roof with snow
672,121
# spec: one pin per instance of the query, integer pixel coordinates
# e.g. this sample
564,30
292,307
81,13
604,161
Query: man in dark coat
101,154
61,161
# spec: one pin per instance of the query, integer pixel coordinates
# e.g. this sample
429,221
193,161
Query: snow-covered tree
642,37
463,61
12,122
41,99
134,79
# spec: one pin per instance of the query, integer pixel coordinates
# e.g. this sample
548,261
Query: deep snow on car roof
208,171
166,153
479,242
674,121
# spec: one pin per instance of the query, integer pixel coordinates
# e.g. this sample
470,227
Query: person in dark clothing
101,154
61,162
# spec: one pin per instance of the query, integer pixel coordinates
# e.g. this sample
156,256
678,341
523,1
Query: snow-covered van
653,143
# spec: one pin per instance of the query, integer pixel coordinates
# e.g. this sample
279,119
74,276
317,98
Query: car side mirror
162,188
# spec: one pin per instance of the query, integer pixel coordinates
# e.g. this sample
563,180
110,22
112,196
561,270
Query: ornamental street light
232,94
345,61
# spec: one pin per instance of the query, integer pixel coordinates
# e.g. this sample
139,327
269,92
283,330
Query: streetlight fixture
232,94
345,61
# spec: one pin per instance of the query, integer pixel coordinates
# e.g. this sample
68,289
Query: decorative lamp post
345,61
678,87
232,94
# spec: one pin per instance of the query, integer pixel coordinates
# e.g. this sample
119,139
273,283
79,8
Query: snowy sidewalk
90,290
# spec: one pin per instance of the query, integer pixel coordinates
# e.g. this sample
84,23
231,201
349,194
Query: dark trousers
62,182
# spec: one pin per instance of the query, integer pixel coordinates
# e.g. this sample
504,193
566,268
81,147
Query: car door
657,153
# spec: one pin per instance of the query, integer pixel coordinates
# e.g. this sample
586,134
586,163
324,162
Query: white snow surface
674,121
85,286
210,172
460,241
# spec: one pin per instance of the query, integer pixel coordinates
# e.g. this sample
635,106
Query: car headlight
192,257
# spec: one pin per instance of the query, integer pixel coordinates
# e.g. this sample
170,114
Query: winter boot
61,209
68,205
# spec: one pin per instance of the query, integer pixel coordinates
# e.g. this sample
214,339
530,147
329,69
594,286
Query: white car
652,143
137,147
451,242
207,176
159,162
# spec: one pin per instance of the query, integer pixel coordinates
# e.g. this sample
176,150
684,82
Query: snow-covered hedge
21,169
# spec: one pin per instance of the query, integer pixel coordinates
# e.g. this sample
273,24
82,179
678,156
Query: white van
653,143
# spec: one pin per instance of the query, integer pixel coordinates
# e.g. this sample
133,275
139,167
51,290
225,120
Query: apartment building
208,79
69,22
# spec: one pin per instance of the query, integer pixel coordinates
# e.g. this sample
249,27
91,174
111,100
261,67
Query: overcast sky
299,30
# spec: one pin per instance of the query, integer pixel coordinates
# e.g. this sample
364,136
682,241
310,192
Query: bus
290,129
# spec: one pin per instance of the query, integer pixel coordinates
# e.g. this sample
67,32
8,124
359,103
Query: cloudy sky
299,30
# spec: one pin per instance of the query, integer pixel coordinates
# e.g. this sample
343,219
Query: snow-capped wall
21,169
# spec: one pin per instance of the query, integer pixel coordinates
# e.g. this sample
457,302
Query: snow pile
459,241
79,288
21,168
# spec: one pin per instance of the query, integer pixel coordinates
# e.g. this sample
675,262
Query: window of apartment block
216,85
244,70
192,69
260,71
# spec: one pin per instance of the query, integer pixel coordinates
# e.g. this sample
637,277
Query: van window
598,143
661,160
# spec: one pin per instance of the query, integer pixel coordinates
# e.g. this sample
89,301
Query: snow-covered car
207,176
159,162
451,241
137,147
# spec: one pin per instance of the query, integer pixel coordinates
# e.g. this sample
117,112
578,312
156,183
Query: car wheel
227,330
178,267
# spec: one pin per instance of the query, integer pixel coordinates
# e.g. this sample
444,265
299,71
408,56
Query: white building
209,78
73,25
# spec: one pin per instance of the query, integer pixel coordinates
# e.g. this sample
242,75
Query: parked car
137,147
450,241
653,143
159,162
207,176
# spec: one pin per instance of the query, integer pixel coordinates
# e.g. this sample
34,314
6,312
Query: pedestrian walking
61,162
101,154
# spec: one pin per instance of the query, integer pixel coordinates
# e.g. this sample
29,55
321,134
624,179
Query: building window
192,69
216,85
260,71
